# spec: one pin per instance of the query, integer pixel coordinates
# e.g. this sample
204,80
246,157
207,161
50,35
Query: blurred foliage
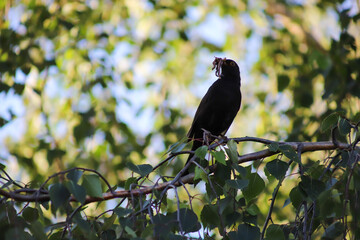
111,85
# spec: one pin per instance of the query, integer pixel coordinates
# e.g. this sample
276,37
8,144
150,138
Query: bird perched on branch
219,106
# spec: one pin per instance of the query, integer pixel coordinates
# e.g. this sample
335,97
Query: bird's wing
204,109
232,114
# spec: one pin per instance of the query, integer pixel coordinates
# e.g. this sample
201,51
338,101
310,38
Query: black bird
219,106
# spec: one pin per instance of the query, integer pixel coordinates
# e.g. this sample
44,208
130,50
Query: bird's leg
206,136
223,137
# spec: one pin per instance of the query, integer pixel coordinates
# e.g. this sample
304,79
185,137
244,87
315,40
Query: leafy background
103,84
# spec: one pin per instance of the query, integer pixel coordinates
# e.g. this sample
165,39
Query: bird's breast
229,94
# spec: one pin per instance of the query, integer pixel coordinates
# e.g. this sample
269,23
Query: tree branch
306,147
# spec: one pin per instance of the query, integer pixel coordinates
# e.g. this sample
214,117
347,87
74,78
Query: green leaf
58,194
122,212
37,91
189,221
255,187
177,147
224,203
329,121
274,232
253,210
312,187
333,231
108,222
277,168
287,202
142,169
201,152
273,147
344,126
74,175
245,231
3,121
83,130
330,206
356,117
200,174
240,169
250,219
290,153
261,96
4,87
30,214
54,154
283,81
129,181
108,234
78,191
55,236
19,88
209,216
232,151
164,224
92,185
14,233
219,157
147,233
238,183
221,174
296,197
83,224
38,231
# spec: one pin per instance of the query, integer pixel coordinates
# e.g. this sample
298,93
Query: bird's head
225,67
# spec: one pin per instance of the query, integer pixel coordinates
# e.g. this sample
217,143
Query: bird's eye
232,63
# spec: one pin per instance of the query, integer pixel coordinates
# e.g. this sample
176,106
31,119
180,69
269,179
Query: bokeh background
98,84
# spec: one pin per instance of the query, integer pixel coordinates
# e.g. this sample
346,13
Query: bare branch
307,147
40,196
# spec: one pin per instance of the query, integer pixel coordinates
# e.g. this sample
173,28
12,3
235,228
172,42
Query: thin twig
312,219
305,219
178,208
188,193
78,168
10,179
299,152
223,229
268,217
346,200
